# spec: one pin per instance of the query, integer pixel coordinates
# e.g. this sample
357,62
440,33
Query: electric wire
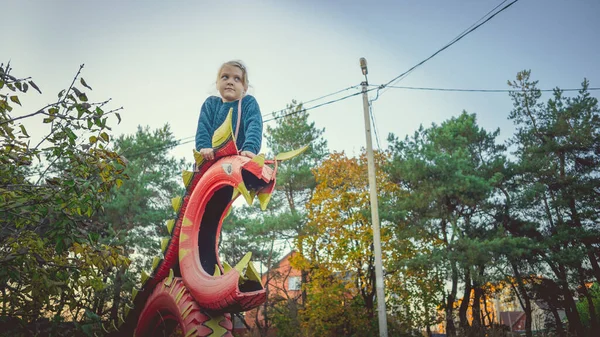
483,90
453,41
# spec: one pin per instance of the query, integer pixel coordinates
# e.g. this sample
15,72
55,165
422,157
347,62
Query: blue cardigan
213,114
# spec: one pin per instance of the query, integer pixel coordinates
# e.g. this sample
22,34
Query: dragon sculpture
190,291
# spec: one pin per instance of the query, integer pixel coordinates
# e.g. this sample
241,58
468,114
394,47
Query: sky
159,59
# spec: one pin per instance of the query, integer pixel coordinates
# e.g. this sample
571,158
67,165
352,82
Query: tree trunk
450,327
584,291
464,305
114,312
575,325
478,292
560,330
526,301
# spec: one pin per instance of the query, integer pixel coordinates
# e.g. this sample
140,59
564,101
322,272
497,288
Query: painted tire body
198,243
171,304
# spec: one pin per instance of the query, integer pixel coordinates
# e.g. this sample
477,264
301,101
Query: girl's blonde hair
239,64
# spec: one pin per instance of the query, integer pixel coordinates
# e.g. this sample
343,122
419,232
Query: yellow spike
179,295
192,332
290,154
183,237
228,212
114,326
226,266
134,293
260,160
186,222
104,328
187,311
223,132
243,263
127,309
217,270
245,193
121,320
198,158
236,192
170,224
169,279
214,325
182,253
176,202
252,274
144,277
263,199
164,242
187,177
155,262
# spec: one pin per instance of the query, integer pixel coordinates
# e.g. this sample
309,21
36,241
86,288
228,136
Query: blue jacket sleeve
204,131
253,126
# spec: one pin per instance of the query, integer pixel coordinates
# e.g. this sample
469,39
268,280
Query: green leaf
52,111
104,136
83,97
118,117
15,99
93,139
19,86
23,131
35,86
61,93
85,84
1,84
90,123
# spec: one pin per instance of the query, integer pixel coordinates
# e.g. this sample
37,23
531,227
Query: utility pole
381,312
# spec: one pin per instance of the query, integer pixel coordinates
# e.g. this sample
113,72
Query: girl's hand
207,154
247,154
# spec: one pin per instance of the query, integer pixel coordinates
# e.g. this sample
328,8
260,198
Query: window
294,283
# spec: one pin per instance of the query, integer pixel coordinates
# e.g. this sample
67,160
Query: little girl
232,83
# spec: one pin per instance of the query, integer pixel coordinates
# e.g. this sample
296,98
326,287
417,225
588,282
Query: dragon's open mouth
210,227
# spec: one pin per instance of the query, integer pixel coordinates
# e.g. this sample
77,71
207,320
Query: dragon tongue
244,191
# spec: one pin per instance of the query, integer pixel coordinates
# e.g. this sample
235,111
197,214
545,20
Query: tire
171,311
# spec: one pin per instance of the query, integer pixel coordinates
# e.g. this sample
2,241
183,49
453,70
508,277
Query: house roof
276,264
510,317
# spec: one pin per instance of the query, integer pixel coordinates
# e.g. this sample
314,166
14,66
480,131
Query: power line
388,84
316,99
453,41
314,107
374,124
183,142
482,90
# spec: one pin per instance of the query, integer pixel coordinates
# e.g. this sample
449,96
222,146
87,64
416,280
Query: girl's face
231,83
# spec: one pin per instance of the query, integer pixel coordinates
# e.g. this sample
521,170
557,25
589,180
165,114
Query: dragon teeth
263,199
252,274
241,266
244,191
